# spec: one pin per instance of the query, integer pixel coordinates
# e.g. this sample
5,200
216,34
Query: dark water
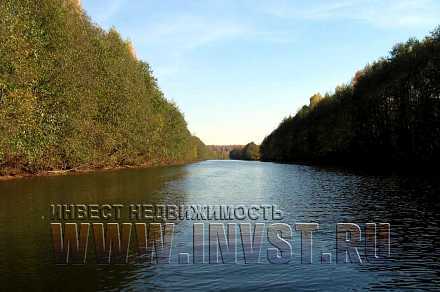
303,193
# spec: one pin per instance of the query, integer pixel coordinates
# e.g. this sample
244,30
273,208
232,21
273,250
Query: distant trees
221,152
72,94
250,151
235,154
202,152
388,115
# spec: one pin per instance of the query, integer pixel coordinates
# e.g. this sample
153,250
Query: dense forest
388,116
74,95
250,151
221,152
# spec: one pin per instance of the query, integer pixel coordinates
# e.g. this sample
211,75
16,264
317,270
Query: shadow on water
26,258
304,194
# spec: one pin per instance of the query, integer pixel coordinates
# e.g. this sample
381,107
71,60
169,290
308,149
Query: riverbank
365,168
388,116
74,94
13,174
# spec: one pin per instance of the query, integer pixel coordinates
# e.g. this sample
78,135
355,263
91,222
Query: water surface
303,193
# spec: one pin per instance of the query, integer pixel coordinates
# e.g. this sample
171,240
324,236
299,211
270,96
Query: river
302,193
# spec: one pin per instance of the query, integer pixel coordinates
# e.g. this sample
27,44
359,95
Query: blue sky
237,68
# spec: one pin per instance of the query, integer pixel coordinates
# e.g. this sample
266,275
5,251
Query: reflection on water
304,193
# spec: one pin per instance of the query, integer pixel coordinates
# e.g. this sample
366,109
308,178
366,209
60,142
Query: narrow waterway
302,193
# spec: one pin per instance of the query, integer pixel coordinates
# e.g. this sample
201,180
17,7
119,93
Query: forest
73,95
250,151
221,152
388,116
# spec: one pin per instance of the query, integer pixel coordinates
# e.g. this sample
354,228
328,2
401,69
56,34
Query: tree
73,95
389,115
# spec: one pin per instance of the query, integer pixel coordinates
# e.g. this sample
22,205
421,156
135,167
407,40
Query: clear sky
237,68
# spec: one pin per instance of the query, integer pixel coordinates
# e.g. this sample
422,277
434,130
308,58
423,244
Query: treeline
74,95
388,116
250,151
221,152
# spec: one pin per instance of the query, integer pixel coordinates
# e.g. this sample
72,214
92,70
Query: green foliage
73,95
388,115
250,151
221,152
